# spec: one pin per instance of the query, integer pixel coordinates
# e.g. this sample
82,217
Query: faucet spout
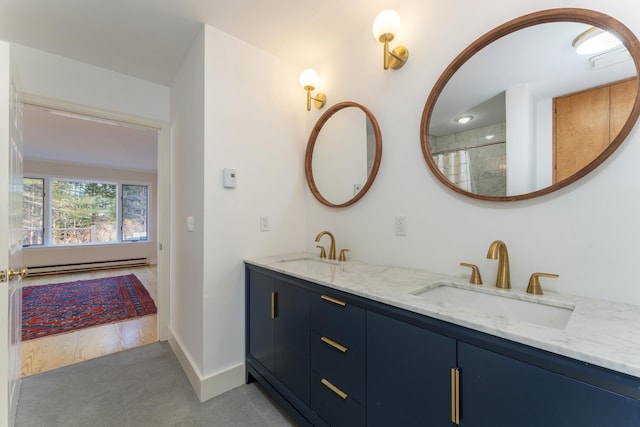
332,248
498,250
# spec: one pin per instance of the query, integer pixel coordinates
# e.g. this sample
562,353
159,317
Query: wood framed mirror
521,85
343,154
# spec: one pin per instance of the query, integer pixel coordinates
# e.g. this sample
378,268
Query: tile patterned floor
142,387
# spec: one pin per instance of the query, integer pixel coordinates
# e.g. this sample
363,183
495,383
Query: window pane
135,204
33,212
82,212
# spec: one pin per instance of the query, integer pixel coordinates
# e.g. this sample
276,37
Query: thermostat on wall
229,178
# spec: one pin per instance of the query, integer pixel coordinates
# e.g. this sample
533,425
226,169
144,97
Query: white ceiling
69,138
149,39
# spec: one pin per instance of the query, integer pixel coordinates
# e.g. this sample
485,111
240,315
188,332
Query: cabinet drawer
332,407
343,322
344,368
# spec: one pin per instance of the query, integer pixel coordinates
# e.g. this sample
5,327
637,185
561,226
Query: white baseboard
212,385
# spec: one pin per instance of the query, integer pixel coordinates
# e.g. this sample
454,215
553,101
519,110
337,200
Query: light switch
190,224
229,178
264,223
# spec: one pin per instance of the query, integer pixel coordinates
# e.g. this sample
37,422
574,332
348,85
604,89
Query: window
83,212
33,212
135,202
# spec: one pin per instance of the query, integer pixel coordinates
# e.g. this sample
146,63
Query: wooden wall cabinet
586,122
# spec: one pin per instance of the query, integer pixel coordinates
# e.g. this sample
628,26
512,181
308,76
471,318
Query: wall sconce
309,79
385,27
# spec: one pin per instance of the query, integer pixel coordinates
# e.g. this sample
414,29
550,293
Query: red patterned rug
65,307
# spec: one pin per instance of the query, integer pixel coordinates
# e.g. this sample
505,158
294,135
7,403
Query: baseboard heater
42,270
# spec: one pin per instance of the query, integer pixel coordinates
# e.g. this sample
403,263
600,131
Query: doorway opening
79,144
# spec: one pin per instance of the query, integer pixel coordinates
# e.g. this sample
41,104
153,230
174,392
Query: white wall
52,76
588,232
187,134
254,122
245,114
39,256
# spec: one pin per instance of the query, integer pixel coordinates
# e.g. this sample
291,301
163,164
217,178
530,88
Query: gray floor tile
138,388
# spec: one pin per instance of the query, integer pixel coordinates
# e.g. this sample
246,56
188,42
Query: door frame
164,191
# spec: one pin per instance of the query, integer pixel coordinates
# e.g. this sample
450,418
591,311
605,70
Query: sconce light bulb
386,25
309,79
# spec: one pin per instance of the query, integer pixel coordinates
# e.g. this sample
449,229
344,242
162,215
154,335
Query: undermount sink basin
307,260
495,304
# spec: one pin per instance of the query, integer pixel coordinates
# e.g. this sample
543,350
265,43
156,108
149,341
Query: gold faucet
332,249
498,250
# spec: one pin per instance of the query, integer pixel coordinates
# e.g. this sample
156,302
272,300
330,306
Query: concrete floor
144,386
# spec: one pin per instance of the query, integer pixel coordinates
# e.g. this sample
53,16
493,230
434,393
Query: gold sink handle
323,252
343,254
534,283
475,273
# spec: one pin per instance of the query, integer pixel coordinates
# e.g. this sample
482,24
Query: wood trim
546,16
308,158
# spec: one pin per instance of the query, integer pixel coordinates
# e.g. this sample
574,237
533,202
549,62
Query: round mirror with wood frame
343,154
452,98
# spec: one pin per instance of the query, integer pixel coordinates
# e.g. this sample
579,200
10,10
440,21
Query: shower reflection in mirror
475,159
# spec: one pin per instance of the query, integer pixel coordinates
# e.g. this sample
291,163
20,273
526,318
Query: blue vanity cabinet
260,323
338,360
502,391
408,374
422,371
331,358
278,331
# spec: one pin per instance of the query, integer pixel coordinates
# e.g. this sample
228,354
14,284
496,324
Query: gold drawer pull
333,300
273,305
334,389
455,396
334,344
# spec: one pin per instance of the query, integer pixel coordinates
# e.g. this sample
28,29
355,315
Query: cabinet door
261,323
581,130
623,96
496,390
408,374
292,338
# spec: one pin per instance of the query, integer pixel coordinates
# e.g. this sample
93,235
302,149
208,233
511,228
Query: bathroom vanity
356,344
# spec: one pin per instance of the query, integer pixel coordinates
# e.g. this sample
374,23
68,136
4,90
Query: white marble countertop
599,332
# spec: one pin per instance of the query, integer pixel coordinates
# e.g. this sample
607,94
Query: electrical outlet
401,225
264,223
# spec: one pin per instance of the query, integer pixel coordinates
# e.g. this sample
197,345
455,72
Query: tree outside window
135,203
33,212
83,212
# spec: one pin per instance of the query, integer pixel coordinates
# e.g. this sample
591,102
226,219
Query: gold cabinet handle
334,389
455,396
22,272
334,344
333,300
273,304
